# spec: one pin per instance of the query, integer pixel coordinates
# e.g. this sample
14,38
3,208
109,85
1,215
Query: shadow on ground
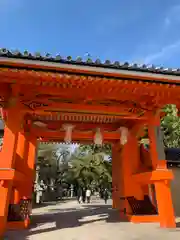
45,204
71,218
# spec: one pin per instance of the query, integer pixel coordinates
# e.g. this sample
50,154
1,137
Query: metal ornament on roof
98,138
124,135
68,132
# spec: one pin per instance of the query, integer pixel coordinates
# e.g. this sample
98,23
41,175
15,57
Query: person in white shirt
88,195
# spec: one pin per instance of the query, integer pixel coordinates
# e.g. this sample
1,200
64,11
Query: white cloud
173,16
164,53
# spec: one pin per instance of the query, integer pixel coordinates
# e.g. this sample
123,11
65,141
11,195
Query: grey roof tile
89,62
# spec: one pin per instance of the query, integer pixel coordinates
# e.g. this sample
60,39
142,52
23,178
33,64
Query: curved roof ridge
146,68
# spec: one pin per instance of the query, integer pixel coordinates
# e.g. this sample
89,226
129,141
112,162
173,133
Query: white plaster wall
175,190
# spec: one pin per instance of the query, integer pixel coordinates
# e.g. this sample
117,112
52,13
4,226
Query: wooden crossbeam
41,76
78,141
120,110
94,92
76,135
56,125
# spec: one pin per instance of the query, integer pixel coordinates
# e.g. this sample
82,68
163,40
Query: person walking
88,195
79,195
83,195
106,195
40,187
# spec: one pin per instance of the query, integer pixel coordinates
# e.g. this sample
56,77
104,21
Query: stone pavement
96,221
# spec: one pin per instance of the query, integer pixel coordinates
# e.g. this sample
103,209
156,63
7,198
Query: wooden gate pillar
7,161
115,176
164,176
32,152
129,165
20,163
21,197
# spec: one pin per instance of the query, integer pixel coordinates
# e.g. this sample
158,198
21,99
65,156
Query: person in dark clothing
79,195
84,195
106,195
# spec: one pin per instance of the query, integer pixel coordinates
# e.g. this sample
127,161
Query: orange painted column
25,160
20,163
115,176
129,166
30,163
7,161
162,187
27,188
165,205
125,185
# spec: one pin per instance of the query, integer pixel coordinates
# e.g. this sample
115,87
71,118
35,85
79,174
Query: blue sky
136,31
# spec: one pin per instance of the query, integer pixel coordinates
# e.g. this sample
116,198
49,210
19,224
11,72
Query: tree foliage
89,167
170,124
53,163
105,149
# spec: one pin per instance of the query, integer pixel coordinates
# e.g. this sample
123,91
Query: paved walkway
96,221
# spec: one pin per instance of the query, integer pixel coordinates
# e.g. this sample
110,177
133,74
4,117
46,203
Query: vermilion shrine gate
38,95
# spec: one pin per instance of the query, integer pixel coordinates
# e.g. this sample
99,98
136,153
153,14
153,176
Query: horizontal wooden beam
118,110
59,116
85,142
91,92
58,77
46,78
44,93
76,135
82,126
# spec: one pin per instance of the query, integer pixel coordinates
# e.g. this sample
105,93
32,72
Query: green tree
105,149
52,164
89,167
170,124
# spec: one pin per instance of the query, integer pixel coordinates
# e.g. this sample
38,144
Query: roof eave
103,71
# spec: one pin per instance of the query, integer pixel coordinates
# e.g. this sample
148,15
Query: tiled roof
89,62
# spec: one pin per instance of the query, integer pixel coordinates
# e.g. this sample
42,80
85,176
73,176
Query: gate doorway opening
64,170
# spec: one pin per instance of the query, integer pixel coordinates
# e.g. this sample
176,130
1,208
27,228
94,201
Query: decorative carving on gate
68,132
133,106
98,137
33,105
60,98
19,212
25,208
43,95
124,135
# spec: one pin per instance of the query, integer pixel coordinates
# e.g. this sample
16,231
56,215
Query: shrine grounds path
96,221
